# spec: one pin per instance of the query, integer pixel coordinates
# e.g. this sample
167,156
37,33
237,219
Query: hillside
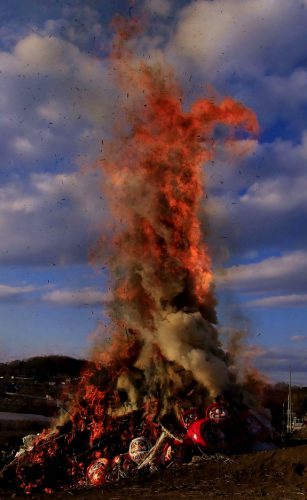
43,368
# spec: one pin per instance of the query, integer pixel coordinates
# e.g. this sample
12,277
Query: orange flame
154,183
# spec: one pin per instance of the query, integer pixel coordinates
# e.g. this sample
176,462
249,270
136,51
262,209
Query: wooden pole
289,409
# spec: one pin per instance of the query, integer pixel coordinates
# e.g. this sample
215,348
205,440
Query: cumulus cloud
242,35
273,273
237,46
57,102
160,7
72,297
9,293
62,92
81,25
277,98
86,297
293,300
277,195
260,206
23,145
298,338
49,219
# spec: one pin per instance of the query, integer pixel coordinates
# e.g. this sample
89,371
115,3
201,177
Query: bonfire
163,389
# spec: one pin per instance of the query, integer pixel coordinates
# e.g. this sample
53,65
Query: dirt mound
279,474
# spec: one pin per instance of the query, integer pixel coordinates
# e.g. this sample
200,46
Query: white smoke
190,341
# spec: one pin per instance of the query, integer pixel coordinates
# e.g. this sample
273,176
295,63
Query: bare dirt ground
279,474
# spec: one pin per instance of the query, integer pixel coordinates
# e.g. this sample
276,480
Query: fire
164,342
153,179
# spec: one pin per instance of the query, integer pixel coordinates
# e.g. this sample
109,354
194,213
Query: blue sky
57,102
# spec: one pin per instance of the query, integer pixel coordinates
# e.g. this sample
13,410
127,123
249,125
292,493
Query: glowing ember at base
165,356
62,460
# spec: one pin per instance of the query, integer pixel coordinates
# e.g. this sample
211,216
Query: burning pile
164,364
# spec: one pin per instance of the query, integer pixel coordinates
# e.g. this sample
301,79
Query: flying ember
164,306
162,388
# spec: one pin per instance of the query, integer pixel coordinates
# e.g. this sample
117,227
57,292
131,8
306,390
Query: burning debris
148,404
64,458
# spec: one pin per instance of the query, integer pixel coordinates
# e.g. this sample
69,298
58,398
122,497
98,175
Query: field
280,474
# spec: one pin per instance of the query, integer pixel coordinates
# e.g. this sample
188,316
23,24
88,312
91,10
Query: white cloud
272,273
82,297
50,111
280,194
51,92
8,292
275,362
14,198
44,54
283,183
51,79
253,50
298,338
242,35
23,145
77,298
160,7
83,78
279,97
49,218
293,300
78,24
260,205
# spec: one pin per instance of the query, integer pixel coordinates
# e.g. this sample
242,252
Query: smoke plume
163,312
